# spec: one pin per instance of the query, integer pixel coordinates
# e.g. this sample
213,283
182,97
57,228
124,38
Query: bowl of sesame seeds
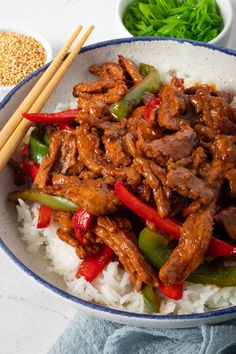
22,51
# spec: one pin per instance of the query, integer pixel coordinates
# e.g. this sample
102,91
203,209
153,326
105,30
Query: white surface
31,319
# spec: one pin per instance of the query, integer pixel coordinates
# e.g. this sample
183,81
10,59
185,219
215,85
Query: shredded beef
182,160
196,233
123,243
187,184
231,177
173,104
227,219
95,196
175,146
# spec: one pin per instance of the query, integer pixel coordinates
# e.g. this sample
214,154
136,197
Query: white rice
112,288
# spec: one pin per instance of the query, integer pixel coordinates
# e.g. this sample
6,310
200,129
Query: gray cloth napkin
89,335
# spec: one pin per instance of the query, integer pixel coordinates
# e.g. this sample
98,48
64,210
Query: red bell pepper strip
81,221
217,248
32,169
67,116
174,292
28,167
44,217
93,265
24,152
150,106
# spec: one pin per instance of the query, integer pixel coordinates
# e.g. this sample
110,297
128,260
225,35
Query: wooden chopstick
18,134
16,118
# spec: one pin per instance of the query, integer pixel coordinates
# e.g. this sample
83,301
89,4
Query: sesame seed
20,55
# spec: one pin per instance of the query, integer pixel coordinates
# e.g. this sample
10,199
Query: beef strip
227,219
130,144
115,150
90,247
112,72
124,244
48,161
68,157
205,132
174,147
173,104
62,179
196,233
146,169
62,156
92,87
215,112
231,177
67,238
131,69
137,115
146,132
104,124
95,196
199,157
95,70
65,221
224,158
94,159
111,95
187,184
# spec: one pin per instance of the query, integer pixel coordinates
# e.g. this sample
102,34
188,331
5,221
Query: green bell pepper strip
53,202
124,107
145,69
214,273
46,138
150,298
38,150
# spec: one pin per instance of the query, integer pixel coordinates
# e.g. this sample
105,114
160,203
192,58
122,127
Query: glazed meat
62,152
174,103
115,233
172,147
178,157
187,184
95,196
188,255
214,111
227,219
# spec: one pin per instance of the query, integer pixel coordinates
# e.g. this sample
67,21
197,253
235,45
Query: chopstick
12,141
16,118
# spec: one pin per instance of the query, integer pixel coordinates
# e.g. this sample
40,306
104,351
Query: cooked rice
112,288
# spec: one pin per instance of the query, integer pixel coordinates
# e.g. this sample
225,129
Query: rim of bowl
225,8
226,11
68,296
28,32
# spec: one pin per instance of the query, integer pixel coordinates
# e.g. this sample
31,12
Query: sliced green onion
190,19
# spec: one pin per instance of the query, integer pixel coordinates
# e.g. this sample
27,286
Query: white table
30,318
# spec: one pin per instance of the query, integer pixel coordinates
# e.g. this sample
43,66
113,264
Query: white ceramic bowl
28,32
195,62
223,37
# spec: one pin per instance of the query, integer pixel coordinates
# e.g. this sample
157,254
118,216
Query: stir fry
141,172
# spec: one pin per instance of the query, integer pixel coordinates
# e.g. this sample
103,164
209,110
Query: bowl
28,32
223,37
195,62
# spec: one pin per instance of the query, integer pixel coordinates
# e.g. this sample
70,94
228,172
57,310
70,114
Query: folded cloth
89,335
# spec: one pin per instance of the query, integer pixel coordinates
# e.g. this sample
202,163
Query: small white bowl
223,37
28,32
